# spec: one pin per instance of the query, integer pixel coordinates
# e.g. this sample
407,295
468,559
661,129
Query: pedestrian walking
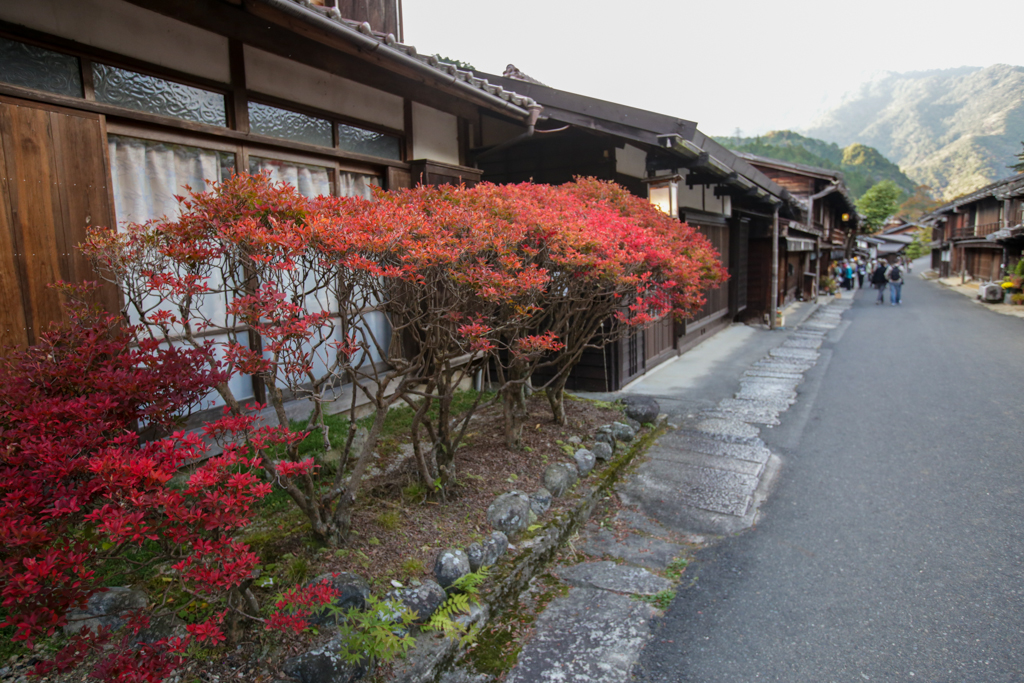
879,280
848,276
894,276
861,272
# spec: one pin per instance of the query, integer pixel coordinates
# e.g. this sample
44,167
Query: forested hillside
954,130
862,166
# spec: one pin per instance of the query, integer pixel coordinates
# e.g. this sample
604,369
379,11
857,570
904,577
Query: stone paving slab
589,635
652,553
776,374
749,411
706,488
731,430
806,355
803,343
706,460
609,576
705,443
788,383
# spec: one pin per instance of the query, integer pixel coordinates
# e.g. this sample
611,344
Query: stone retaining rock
423,599
510,512
450,566
353,590
643,409
494,547
540,502
602,451
559,478
323,665
109,608
585,461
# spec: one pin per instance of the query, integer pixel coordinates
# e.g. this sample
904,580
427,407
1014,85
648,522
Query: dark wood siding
54,184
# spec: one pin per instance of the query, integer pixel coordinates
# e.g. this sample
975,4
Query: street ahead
892,548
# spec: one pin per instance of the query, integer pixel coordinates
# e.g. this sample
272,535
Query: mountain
862,166
954,130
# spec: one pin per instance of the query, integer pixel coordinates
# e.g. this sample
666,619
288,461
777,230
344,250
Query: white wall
631,161
435,135
126,29
272,75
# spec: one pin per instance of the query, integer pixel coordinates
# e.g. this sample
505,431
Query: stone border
434,653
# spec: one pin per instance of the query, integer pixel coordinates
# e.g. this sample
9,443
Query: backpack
878,277
894,275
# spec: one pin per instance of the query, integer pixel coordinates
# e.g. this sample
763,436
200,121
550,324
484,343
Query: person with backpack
879,281
861,272
895,278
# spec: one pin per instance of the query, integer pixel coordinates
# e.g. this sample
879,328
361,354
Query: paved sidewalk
705,478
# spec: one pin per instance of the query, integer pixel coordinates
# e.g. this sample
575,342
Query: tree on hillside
1019,166
877,204
918,204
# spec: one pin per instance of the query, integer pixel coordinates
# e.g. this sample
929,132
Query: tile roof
386,42
1007,188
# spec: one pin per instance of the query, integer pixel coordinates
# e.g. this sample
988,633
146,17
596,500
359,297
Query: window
372,143
289,125
140,92
29,66
146,175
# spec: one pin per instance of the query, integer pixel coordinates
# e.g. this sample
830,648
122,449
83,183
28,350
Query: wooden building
108,108
979,235
653,155
808,243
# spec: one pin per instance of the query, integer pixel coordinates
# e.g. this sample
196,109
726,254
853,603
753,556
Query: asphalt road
892,547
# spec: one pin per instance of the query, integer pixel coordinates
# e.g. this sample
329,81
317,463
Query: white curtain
148,174
310,181
357,185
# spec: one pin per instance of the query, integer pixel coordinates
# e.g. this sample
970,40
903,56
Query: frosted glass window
362,141
289,125
137,91
29,66
147,175
310,181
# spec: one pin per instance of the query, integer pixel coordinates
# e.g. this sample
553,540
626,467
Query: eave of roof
465,83
812,171
1007,188
639,125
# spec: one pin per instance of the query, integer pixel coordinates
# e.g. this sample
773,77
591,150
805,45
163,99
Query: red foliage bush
79,488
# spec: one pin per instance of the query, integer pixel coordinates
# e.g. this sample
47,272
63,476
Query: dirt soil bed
396,533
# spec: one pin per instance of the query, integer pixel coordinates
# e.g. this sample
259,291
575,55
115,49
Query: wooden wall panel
35,200
55,184
13,327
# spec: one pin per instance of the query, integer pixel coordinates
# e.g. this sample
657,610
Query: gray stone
559,478
109,608
585,460
540,502
633,424
510,512
450,566
729,428
423,599
606,438
460,675
606,575
574,440
323,665
601,451
160,627
643,409
601,647
622,431
652,553
353,590
495,546
475,553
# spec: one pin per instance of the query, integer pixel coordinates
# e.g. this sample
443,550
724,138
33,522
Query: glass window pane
33,67
158,96
311,181
369,142
146,175
290,125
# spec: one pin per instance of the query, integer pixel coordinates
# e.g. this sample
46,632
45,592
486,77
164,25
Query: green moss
661,599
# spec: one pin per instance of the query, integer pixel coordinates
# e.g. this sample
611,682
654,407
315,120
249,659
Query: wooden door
53,184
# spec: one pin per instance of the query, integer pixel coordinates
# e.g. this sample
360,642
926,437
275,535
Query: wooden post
774,308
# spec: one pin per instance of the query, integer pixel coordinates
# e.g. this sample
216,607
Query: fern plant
462,596
379,634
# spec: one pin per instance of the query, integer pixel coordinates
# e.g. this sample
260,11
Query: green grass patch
661,599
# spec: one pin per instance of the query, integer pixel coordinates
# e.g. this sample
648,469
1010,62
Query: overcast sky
752,65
